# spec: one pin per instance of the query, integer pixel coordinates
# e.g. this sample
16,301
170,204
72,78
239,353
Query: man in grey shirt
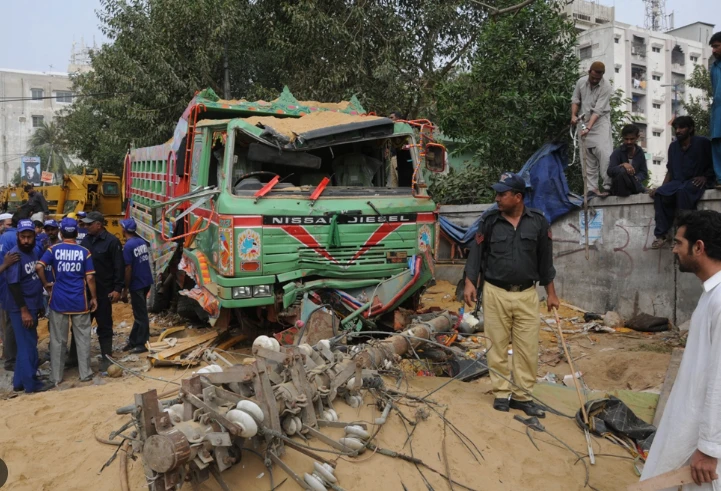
592,96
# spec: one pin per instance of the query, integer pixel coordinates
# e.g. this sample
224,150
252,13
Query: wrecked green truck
267,212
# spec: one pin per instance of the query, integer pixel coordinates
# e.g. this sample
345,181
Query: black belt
511,288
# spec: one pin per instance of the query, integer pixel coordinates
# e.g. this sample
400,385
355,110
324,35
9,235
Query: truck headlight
261,291
241,292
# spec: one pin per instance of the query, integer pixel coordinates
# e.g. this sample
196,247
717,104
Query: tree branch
507,10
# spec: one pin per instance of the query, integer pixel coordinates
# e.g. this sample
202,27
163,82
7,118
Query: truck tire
156,302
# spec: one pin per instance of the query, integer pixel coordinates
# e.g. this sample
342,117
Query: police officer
72,268
138,278
512,252
109,278
24,301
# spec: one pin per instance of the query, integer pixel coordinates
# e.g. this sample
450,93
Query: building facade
27,100
651,68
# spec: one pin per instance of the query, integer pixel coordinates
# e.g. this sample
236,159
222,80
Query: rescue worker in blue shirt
8,240
715,109
138,278
40,234
73,269
52,229
82,229
24,300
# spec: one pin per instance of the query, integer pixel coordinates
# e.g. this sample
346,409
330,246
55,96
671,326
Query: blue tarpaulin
549,191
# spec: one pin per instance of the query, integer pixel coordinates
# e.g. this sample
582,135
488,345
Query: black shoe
139,349
104,365
127,347
46,387
89,378
9,368
528,407
501,405
18,389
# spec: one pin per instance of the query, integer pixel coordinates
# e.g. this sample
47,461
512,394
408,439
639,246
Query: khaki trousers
597,159
512,317
59,324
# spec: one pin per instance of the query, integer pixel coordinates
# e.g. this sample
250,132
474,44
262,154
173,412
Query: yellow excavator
89,191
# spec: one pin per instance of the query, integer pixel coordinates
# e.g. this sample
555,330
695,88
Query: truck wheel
156,302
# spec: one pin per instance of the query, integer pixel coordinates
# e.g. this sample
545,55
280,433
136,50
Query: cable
73,96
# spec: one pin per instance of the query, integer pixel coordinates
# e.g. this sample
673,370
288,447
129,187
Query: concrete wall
623,273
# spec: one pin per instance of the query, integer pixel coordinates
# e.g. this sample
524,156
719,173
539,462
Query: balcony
638,79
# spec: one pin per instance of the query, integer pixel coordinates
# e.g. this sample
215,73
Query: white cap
6,216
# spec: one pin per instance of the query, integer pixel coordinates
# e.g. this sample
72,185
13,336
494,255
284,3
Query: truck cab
288,206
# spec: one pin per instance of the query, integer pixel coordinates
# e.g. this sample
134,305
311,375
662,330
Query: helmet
72,215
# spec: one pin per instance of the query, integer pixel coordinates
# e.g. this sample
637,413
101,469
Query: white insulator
357,432
333,414
215,368
274,344
351,383
352,443
246,422
176,413
289,426
324,344
324,472
315,483
306,349
251,408
298,423
326,416
262,341
203,370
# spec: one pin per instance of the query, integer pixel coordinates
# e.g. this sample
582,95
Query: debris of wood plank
579,309
671,479
188,344
225,345
671,372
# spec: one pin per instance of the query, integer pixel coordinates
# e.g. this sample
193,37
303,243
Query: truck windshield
379,166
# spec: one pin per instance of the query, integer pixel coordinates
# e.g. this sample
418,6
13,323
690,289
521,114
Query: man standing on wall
592,96
715,123
690,428
512,251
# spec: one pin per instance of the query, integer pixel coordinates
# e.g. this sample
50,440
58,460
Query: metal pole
585,187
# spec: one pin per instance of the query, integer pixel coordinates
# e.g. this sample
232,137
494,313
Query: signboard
595,226
47,177
30,170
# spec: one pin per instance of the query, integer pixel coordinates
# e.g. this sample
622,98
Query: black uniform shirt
516,256
107,256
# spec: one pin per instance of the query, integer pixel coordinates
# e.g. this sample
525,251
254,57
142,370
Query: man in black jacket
627,168
107,254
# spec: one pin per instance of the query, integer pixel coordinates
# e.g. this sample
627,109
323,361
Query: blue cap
81,214
510,182
24,225
129,224
68,225
50,223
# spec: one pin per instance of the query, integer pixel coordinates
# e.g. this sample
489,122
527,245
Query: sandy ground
47,440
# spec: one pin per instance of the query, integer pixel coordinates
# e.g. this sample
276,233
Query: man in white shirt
690,429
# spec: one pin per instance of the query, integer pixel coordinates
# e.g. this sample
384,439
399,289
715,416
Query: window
618,70
64,96
37,121
694,58
36,94
616,40
657,78
656,161
656,106
111,189
656,50
657,133
585,53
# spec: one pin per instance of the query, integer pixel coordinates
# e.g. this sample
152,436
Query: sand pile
291,127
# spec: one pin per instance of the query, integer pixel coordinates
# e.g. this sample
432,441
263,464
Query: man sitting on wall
690,171
627,167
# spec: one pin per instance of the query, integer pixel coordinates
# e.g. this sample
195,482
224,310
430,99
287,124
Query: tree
47,143
698,107
391,54
516,95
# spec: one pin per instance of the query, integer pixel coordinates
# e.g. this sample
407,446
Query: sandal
658,243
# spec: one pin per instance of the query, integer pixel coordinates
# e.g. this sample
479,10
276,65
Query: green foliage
698,107
390,54
517,94
462,187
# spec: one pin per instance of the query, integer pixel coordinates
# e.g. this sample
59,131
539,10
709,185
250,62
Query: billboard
30,170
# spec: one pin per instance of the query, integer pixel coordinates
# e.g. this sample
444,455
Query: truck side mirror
435,157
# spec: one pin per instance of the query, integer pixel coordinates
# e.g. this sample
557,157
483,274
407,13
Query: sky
39,34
